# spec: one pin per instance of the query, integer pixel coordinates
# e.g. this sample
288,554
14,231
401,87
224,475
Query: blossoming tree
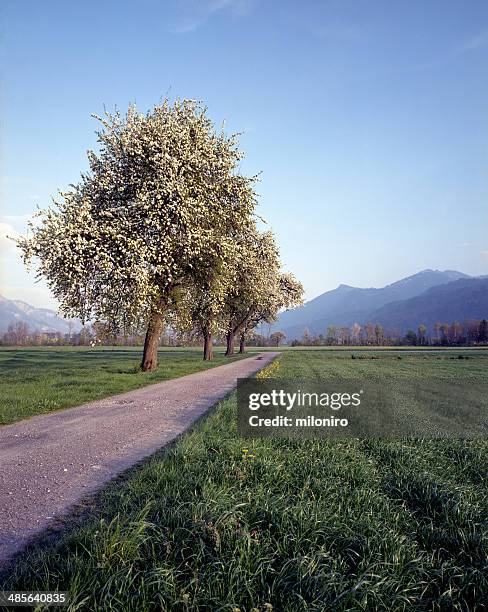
159,207
260,290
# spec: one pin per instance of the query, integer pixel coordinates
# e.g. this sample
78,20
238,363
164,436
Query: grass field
220,523
45,379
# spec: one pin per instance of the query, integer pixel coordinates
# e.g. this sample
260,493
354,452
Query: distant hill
426,297
347,305
457,301
41,319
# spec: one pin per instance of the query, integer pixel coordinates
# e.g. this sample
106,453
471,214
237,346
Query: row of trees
19,333
446,334
162,231
371,334
471,332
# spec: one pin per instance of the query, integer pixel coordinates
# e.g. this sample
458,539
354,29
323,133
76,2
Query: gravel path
51,461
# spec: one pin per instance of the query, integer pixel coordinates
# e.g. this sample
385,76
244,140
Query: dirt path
51,461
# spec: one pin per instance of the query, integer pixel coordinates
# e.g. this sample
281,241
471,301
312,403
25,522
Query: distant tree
17,333
472,330
411,337
36,338
85,335
277,338
345,335
437,329
306,338
422,330
444,333
103,333
370,333
70,329
455,332
331,334
256,339
356,333
483,331
379,334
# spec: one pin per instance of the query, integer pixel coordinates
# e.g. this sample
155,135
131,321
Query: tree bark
230,343
151,343
207,346
242,347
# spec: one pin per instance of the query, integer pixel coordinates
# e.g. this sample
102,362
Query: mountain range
426,297
40,319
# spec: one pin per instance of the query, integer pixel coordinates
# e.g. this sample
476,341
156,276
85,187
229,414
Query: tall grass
221,523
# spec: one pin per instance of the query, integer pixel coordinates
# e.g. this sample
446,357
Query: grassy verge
41,380
220,523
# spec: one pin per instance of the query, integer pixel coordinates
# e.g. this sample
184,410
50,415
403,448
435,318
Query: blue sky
367,119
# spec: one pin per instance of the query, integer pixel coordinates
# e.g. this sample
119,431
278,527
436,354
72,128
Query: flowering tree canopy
260,290
200,310
159,207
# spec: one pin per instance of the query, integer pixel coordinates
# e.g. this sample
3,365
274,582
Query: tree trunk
207,346
242,344
230,344
151,343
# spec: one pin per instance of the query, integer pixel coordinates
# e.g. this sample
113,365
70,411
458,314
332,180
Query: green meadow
38,380
217,522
